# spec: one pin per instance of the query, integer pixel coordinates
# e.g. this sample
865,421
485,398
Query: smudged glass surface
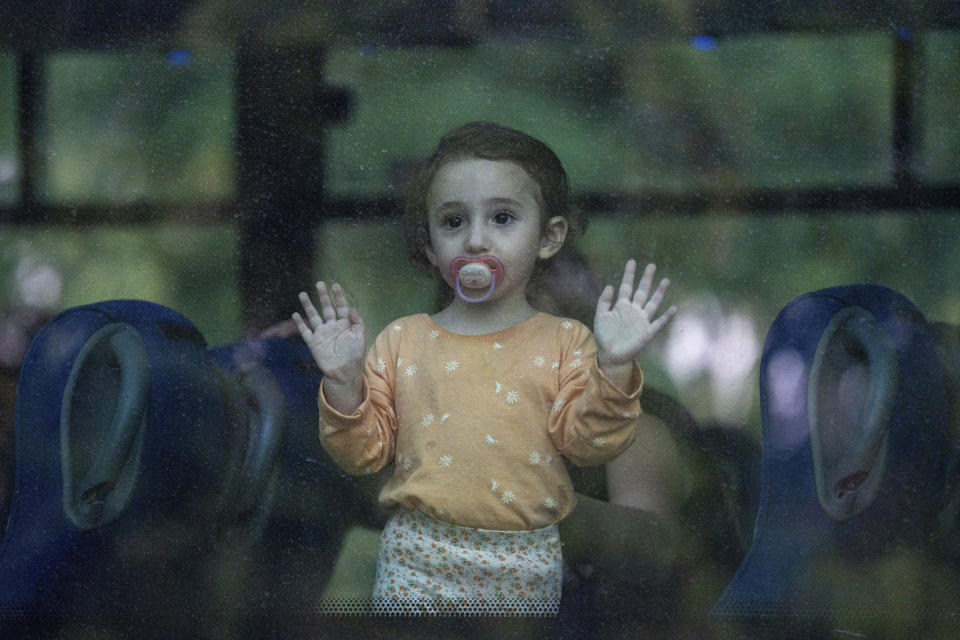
637,101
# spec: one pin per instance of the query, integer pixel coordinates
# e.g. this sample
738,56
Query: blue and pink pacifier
476,273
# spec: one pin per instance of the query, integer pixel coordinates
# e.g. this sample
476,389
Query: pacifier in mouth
476,273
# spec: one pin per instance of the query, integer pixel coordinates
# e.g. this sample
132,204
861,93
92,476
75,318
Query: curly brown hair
490,141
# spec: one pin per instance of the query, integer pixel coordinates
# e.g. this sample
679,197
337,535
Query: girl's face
479,207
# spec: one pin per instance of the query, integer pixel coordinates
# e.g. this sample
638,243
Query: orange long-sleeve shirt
476,424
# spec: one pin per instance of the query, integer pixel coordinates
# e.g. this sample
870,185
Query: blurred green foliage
191,270
940,113
137,127
758,111
9,187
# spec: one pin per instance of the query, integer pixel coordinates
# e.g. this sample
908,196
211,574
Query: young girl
477,406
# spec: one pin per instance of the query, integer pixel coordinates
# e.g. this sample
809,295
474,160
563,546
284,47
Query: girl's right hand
335,336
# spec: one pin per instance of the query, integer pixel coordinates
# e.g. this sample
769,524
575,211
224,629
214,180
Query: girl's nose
477,240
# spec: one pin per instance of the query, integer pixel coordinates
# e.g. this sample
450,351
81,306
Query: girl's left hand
622,328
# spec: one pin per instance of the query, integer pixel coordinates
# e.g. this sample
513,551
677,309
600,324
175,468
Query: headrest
854,451
139,452
119,431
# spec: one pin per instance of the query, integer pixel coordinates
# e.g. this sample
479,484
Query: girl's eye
502,217
453,222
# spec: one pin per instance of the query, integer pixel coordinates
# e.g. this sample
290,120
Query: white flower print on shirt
535,457
566,324
548,460
443,417
381,365
411,370
328,429
451,365
507,497
446,461
578,352
555,365
499,388
397,327
497,345
491,440
576,363
427,420
434,334
558,405
539,361
512,397
549,503
494,485
598,442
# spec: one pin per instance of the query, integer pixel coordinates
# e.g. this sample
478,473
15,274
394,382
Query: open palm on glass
335,335
624,326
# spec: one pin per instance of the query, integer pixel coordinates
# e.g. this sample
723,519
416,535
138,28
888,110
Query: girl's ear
431,256
554,233
423,239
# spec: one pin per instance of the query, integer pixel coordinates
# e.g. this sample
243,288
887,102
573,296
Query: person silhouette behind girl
476,406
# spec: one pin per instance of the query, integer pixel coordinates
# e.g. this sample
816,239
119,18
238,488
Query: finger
643,290
626,284
662,321
302,327
340,302
326,306
605,300
654,303
310,310
356,322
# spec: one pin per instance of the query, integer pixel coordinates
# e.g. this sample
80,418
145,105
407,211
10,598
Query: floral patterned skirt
429,567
